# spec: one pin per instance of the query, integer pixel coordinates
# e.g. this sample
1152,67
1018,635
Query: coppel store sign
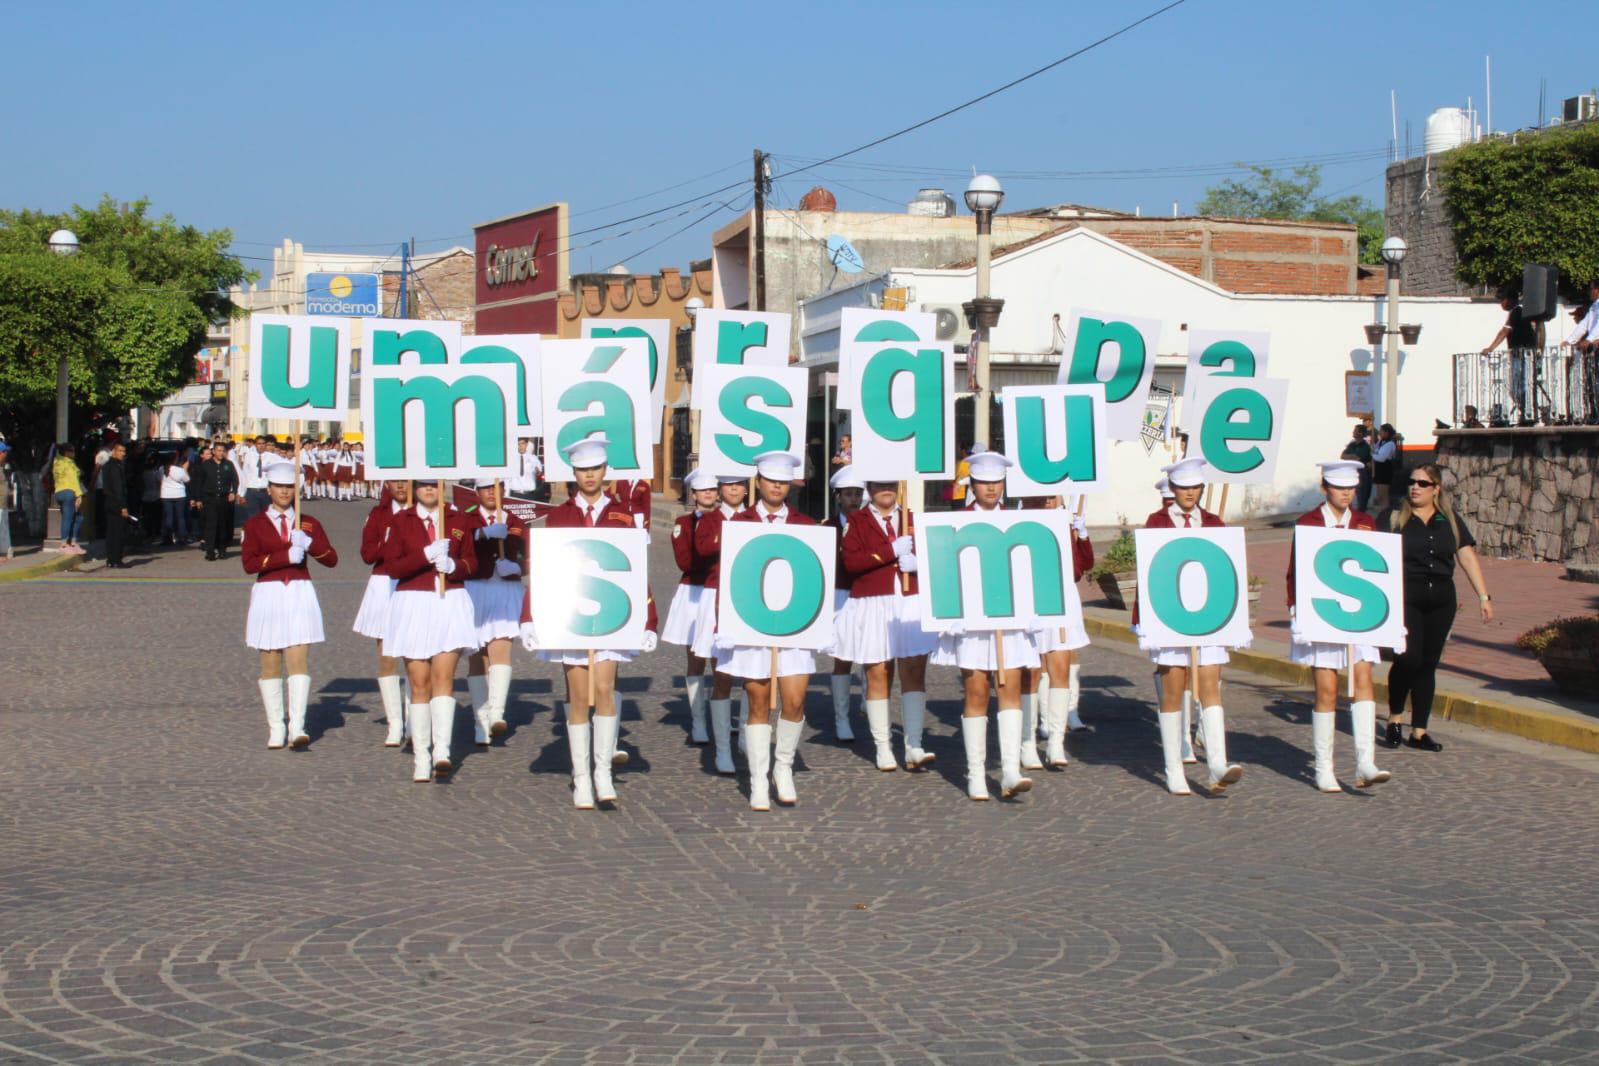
345,295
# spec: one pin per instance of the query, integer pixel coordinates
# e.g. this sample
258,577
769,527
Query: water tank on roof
931,203
1447,127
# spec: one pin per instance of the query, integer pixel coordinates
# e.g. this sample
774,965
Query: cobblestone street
172,891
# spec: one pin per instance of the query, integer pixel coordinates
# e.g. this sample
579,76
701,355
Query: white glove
1081,525
507,568
640,521
296,555
435,550
444,565
904,546
300,539
650,640
907,563
494,531
528,640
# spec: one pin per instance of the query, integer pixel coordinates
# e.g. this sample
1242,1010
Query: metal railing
1527,387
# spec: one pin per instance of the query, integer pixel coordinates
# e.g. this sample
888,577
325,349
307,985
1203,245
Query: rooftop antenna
1543,87
1488,79
1393,115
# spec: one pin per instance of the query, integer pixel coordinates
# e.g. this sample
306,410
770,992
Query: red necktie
888,526
1187,522
588,517
283,526
428,522
771,518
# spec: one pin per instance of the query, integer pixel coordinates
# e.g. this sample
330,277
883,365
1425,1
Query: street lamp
983,197
685,369
62,242
1393,253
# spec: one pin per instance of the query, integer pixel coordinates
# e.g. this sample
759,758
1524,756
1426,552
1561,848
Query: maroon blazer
708,544
841,579
408,536
375,533
795,518
634,496
1357,520
488,551
869,555
695,566
265,552
1161,520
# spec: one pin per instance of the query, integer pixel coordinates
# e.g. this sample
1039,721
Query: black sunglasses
1421,483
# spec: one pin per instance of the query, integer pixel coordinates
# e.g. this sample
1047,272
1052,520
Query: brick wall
1246,255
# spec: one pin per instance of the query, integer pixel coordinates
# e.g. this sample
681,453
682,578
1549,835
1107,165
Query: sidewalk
31,560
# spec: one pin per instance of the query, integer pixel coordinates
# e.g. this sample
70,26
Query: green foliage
1531,200
1573,633
1270,194
1120,558
129,310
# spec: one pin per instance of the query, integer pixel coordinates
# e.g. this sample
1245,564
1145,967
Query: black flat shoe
1423,743
1392,736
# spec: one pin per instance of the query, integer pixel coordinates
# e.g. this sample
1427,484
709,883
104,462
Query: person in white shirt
524,479
175,503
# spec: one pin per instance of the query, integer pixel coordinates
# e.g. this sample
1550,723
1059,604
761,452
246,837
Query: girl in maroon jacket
1186,477
683,617
848,490
732,490
430,547
1055,704
499,540
1339,480
881,626
285,618
373,616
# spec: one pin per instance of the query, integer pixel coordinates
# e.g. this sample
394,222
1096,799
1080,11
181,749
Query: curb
49,566
1529,723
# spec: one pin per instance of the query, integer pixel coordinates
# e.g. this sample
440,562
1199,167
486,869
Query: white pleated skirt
1212,656
1323,656
704,644
283,614
979,651
571,657
1048,638
423,624
682,617
496,609
875,629
373,617
840,598
742,660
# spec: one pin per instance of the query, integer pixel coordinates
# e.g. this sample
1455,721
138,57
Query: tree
1270,194
130,310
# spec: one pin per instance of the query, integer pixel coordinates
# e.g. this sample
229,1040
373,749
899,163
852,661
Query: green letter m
392,396
994,547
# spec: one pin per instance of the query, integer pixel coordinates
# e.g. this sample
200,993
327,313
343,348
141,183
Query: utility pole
405,273
760,230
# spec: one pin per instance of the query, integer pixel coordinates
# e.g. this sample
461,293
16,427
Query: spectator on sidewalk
1385,463
1359,450
216,486
8,497
114,484
175,502
69,496
845,453
1434,537
252,478
149,511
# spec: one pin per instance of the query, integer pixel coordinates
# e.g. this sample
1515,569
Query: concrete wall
1526,493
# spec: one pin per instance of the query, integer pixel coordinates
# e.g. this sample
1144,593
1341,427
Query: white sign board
993,570
1237,425
597,388
1193,588
658,333
742,338
591,588
424,421
777,585
1349,587
752,410
863,330
299,368
520,351
1054,438
1118,352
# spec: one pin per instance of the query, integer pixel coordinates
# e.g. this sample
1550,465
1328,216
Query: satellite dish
844,255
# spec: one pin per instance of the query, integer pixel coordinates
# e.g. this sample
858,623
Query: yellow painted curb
50,566
1530,723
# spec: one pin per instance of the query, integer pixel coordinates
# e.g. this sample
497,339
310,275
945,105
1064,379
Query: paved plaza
172,891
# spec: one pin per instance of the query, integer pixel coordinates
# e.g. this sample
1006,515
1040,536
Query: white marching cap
988,466
1342,473
587,454
845,477
732,479
778,466
280,474
700,479
1185,473
1163,486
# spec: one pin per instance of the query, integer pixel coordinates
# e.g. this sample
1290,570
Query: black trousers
115,531
1429,615
214,523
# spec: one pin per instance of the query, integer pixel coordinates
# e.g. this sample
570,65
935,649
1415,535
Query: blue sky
354,126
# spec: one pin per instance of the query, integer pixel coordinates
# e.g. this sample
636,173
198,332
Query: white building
1314,341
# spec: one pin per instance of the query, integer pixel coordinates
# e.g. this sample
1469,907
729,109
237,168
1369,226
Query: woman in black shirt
1434,537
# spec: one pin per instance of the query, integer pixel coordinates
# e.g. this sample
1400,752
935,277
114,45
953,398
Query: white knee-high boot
877,722
272,700
787,744
722,733
389,692
578,743
759,750
499,693
1363,724
1011,781
299,689
1044,687
1171,747
605,727
913,709
1222,772
1030,723
694,686
744,723
1323,728
619,756
421,718
1189,732
477,688
974,734
839,684
1055,722
442,719
1073,722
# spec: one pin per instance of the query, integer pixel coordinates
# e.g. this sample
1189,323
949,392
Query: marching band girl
343,471
358,458
500,543
428,543
285,618
1057,649
848,489
774,480
683,617
1186,477
731,492
373,617
1339,480
978,656
326,454
881,625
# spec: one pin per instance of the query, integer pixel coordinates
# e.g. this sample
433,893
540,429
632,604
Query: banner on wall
593,588
777,585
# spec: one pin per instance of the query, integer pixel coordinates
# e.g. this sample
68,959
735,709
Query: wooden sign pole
297,474
444,518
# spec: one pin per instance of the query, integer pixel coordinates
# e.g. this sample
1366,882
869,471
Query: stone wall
1526,493
1416,210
